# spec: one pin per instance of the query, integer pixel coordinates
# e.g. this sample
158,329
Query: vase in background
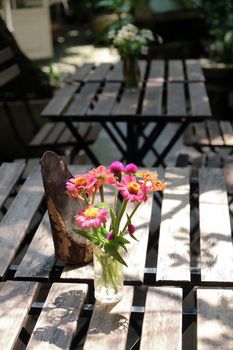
131,72
108,277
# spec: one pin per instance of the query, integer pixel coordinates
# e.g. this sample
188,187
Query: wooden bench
213,134
52,135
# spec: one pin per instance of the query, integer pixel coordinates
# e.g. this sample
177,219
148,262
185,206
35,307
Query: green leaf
114,253
121,240
113,217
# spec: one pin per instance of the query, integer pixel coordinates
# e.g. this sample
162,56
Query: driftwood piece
69,247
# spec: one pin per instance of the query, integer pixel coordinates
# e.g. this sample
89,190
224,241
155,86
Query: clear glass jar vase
131,72
108,277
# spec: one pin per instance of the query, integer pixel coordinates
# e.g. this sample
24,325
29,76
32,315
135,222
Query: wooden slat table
47,305
169,92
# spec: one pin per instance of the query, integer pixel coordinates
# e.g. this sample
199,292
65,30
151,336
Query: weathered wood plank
175,71
116,74
194,70
215,233
201,135
176,103
15,223
58,103
15,301
199,99
227,132
109,324
81,72
83,100
40,256
152,102
9,74
214,319
157,71
128,104
6,54
58,320
9,175
174,241
99,73
141,220
162,322
106,100
214,133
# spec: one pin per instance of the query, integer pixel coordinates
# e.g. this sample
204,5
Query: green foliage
218,16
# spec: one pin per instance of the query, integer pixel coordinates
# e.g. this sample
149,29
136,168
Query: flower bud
131,168
110,236
131,229
116,167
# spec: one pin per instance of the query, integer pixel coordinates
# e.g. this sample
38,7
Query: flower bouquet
130,41
109,226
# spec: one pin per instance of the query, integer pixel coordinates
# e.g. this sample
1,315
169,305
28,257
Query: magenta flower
131,168
116,167
91,217
131,229
110,236
132,189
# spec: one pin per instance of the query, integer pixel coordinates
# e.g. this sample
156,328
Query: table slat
175,71
58,320
142,218
15,223
214,133
157,71
152,102
176,104
199,99
201,133
99,73
15,301
215,228
214,319
174,241
106,100
109,324
9,175
39,258
128,103
162,322
116,74
83,100
227,132
58,103
81,72
194,70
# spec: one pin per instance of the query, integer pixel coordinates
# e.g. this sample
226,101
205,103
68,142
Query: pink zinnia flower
132,189
103,175
80,184
91,217
116,167
131,168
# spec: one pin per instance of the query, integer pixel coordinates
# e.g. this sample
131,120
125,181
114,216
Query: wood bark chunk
69,247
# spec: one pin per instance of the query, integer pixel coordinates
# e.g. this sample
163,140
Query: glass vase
108,277
131,73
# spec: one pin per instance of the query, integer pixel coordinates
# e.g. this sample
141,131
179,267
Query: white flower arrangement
130,40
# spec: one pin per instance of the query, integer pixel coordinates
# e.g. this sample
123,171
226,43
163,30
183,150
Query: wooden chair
213,134
50,136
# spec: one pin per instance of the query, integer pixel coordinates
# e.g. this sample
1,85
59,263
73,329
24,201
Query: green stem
101,193
120,214
130,216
